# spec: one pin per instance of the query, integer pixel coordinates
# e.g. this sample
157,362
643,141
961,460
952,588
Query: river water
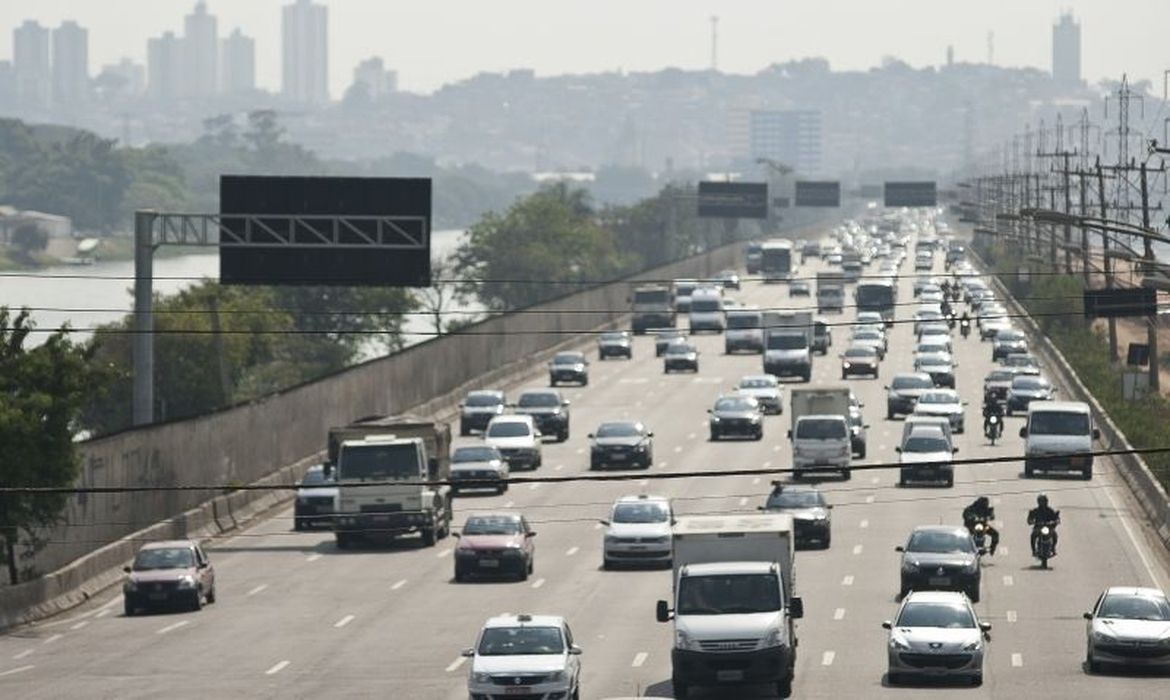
90,295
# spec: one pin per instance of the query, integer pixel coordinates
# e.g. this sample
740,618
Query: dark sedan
168,573
549,410
1027,388
615,344
736,415
902,394
568,367
941,558
1008,341
314,506
681,356
860,359
622,443
811,515
663,339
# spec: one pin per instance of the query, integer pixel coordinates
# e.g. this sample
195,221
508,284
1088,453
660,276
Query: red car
495,544
175,572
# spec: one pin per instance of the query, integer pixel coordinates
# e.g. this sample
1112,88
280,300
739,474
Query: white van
821,442
1058,436
915,420
744,330
706,311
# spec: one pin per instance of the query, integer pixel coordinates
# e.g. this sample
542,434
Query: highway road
298,618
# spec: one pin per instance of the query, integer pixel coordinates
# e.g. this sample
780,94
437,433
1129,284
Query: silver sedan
936,634
1128,627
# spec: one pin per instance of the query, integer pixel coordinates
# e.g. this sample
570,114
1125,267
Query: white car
517,439
944,403
480,467
1128,627
872,337
926,455
765,389
533,652
936,633
638,531
869,318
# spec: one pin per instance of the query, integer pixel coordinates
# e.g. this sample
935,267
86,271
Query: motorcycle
951,321
965,328
978,528
1044,542
992,428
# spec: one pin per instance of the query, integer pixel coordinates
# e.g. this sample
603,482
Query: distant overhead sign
1118,303
818,194
325,231
733,200
911,194
870,191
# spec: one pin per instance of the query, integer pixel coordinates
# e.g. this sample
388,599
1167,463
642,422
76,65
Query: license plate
822,463
381,518
637,547
517,691
940,580
729,676
489,563
618,456
158,596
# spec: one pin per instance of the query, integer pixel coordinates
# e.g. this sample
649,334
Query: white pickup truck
821,435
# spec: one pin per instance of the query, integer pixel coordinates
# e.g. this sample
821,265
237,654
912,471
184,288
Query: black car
729,279
902,394
663,339
314,506
811,515
1025,389
736,414
940,368
799,288
615,344
479,408
941,558
680,356
1008,341
997,383
548,409
568,367
621,443
860,359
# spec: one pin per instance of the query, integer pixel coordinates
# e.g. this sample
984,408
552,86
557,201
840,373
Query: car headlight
556,676
973,646
846,365
714,419
187,582
772,639
755,418
130,586
1102,637
480,677
682,640
898,643
910,566
612,539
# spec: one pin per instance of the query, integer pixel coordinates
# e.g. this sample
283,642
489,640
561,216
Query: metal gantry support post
1152,321
143,335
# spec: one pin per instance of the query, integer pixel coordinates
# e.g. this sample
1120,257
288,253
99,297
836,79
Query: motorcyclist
1040,516
991,407
981,510
965,323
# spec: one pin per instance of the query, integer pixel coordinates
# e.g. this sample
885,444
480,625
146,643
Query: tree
436,299
29,239
42,390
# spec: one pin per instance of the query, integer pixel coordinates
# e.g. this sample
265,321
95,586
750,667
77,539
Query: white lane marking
767,465
398,584
313,557
875,480
597,526
639,659
634,380
14,671
644,482
580,450
172,628
454,665
864,523
558,467
839,614
869,499
442,553
509,504
995,500
533,486
857,549
21,655
102,613
847,581
708,380
827,658
1011,616
1138,546
343,621
776,448
756,481
256,590
79,625
538,583
690,436
55,637
1017,660
677,449
1008,580
571,551
277,668
743,501
1003,549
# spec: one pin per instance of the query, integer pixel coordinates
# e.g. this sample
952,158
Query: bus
776,261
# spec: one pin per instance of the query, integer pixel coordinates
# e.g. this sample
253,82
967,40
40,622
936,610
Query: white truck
788,340
369,456
830,291
734,604
821,433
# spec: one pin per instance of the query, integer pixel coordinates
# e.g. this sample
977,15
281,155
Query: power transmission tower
714,43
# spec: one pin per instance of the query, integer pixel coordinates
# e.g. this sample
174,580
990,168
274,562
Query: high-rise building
791,137
124,79
375,79
238,64
164,67
7,85
1066,52
31,65
305,52
200,52
70,64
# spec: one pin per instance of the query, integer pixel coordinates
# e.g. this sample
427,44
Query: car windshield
945,615
613,336
492,525
568,358
795,499
475,454
483,400
938,397
1059,423
787,341
164,558
706,306
508,429
680,349
742,321
935,542
757,383
936,363
1135,607
609,430
1000,376
1009,335
820,429
921,444
867,335
520,641
860,352
735,403
378,462
316,477
669,335
743,594
645,512
683,290
1029,382
539,400
930,348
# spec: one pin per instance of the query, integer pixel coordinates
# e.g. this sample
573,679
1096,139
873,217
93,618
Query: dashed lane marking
1008,580
55,637
827,658
454,665
690,436
839,614
677,449
343,621
857,549
558,467
634,380
172,628
644,482
571,551
1003,549
442,553
847,581
102,613
767,465
18,669
398,584
538,583
875,480
869,499
21,655
743,501
277,668
1011,616
256,590
776,448
580,450
864,523
313,557
509,504
1017,660
756,481
639,659
597,526
663,464
79,625
533,486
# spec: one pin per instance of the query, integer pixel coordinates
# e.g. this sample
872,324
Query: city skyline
414,41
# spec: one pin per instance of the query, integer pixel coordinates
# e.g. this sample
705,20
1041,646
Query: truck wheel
679,688
950,481
428,536
1029,470
973,594
861,455
847,473
784,687
127,608
342,540
1087,474
460,577
563,435
464,431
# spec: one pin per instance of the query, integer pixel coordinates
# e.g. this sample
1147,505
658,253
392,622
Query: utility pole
714,43
1151,259
1113,356
1061,152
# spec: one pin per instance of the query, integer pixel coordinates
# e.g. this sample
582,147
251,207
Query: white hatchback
533,652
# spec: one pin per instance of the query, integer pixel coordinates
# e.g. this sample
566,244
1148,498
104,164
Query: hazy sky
432,42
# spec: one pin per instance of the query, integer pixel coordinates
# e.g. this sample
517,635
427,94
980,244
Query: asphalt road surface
298,618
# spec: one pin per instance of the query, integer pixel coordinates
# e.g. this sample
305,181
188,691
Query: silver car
1128,626
764,388
638,531
936,634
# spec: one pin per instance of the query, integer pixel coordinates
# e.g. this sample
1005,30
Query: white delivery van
1058,436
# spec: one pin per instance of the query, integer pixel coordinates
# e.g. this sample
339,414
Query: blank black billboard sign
818,194
1120,303
911,194
733,200
325,231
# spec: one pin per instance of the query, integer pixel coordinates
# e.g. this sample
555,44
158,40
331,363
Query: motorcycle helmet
1042,501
